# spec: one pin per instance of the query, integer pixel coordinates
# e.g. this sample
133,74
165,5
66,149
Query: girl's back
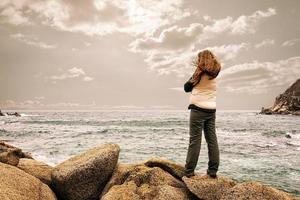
203,94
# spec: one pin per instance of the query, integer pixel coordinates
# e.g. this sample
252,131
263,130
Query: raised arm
188,86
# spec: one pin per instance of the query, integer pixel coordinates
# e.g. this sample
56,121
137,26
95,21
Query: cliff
97,175
286,103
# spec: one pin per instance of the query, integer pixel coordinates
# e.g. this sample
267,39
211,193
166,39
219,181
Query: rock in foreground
257,191
84,176
95,174
15,184
11,155
174,169
286,103
37,169
208,188
141,182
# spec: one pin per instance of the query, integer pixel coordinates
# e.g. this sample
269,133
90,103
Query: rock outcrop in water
286,103
11,155
97,175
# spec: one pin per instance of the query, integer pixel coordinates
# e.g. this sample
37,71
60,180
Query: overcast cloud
98,54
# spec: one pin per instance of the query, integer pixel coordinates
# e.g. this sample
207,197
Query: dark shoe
211,174
189,175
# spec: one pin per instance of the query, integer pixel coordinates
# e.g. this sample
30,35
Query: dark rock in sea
138,181
15,184
257,191
205,187
83,177
286,103
37,169
11,155
287,135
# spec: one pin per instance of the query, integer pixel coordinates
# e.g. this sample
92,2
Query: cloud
246,24
95,17
243,24
291,42
260,77
39,98
180,89
13,15
87,78
172,49
33,41
87,44
36,104
264,43
228,52
180,62
176,37
71,74
171,38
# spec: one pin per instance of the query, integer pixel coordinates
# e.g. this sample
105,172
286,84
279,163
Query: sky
137,54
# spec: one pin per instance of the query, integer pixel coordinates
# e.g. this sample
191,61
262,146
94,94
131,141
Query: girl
202,86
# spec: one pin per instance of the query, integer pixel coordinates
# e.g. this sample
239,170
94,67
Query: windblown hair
206,62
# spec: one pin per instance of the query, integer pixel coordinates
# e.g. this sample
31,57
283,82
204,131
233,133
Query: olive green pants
202,120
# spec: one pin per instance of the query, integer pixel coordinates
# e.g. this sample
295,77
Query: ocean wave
293,143
2,130
245,141
274,133
29,115
158,123
268,145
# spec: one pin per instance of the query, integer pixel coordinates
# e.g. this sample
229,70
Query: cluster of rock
10,114
97,175
286,103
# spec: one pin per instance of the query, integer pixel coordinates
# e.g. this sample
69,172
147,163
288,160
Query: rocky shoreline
286,103
97,175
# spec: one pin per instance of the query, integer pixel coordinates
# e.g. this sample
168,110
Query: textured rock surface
11,155
256,191
37,169
126,191
142,182
208,188
16,184
84,176
174,169
286,103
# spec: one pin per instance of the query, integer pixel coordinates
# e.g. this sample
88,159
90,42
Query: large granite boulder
83,177
16,184
286,103
37,169
138,181
205,187
257,191
126,191
173,168
11,155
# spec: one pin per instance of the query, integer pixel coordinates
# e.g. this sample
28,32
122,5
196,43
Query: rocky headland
286,103
97,175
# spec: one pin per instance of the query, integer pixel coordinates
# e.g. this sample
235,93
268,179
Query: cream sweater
204,93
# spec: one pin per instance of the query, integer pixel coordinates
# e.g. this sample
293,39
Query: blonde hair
206,62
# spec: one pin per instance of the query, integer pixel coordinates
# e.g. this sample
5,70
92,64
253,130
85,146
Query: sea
263,148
